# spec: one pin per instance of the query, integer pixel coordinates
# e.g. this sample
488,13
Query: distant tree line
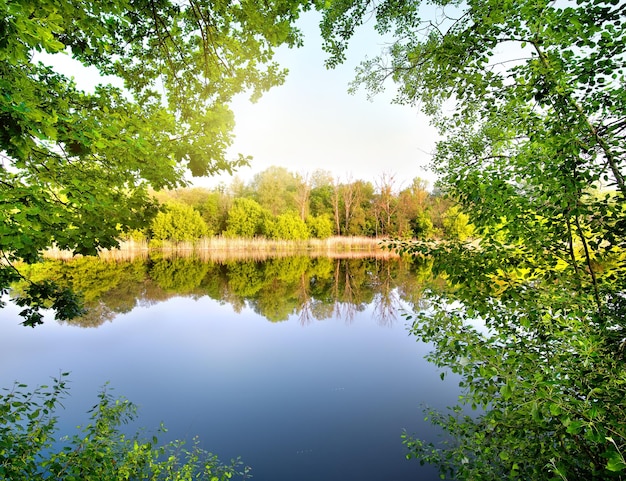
279,204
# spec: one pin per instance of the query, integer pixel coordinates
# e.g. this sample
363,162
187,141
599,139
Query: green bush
246,219
320,227
137,235
179,222
287,226
100,451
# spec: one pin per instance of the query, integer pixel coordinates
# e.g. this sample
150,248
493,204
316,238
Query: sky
311,121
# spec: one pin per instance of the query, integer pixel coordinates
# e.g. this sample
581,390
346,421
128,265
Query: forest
278,204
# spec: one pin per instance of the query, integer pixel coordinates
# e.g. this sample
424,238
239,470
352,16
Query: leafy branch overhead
530,103
529,100
76,165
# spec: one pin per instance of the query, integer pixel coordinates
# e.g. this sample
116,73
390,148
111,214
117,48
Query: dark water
303,399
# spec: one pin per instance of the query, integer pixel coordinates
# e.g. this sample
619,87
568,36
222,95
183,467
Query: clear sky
311,122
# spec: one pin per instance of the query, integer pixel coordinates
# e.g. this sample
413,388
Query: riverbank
224,248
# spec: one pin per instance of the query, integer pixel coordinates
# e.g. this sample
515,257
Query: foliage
77,164
355,208
529,101
214,211
246,219
320,198
212,205
101,451
181,276
422,226
386,206
544,376
104,288
276,288
274,189
320,227
413,218
178,222
288,226
135,235
456,224
47,294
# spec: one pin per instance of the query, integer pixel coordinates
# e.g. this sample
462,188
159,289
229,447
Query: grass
224,248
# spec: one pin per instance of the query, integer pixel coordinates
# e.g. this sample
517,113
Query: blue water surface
307,401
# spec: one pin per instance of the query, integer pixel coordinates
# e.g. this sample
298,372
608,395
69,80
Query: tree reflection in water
312,288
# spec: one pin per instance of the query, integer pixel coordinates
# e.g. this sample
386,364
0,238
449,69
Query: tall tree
412,216
76,164
336,205
303,194
275,190
386,205
528,97
320,198
361,217
349,198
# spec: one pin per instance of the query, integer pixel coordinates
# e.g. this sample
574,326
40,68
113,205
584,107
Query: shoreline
224,249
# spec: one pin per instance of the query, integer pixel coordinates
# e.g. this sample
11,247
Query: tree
362,221
456,224
179,222
349,198
528,97
214,211
193,197
77,164
336,205
438,204
421,225
275,189
212,205
412,204
320,227
303,194
386,205
320,197
288,226
347,206
246,218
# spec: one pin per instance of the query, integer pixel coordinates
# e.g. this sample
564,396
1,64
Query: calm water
301,399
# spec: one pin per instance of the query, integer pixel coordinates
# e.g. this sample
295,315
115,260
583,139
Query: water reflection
312,288
195,350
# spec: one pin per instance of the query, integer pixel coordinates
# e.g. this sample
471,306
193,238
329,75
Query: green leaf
506,391
555,409
575,427
615,463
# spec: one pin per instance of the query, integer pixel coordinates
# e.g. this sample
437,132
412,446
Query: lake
303,367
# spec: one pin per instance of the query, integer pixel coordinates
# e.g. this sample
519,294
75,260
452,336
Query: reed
55,253
221,248
332,244
128,250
